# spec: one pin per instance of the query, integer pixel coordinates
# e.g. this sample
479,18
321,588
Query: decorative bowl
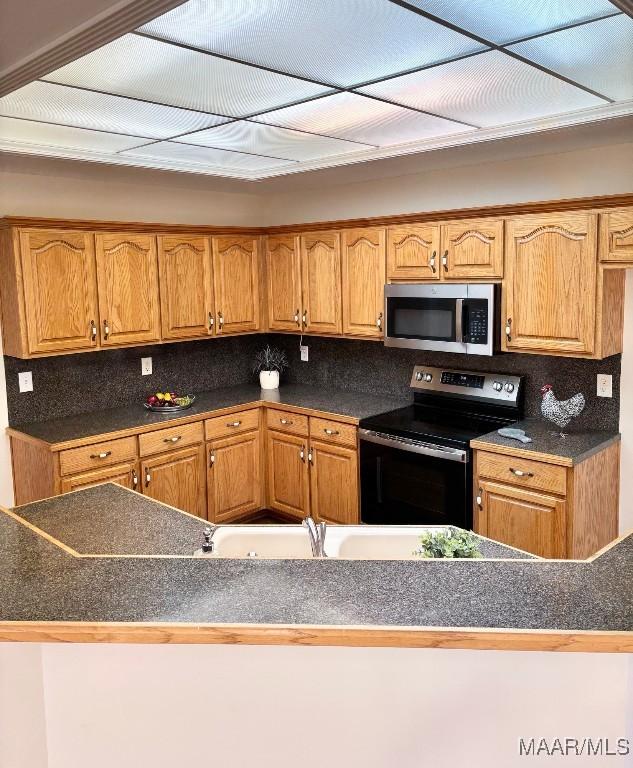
171,408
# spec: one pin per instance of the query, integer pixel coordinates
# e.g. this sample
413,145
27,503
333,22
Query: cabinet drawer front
97,455
333,431
121,474
283,421
231,424
168,439
523,472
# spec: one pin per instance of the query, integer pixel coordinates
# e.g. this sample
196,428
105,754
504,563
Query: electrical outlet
25,381
605,385
303,348
146,366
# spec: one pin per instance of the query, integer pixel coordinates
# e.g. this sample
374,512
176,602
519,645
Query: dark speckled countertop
40,582
571,449
356,405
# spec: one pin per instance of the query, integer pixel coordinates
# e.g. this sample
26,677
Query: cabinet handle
521,473
445,261
331,431
211,321
148,477
310,459
302,453
432,262
174,439
297,318
211,459
102,455
233,423
93,331
134,480
220,320
509,329
304,319
286,421
106,330
479,498
379,321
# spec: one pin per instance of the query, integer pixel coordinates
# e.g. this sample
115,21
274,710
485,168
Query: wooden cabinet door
413,252
127,280
288,480
616,236
177,479
321,282
234,476
550,284
284,283
364,275
122,474
334,483
236,280
186,287
472,249
60,290
534,522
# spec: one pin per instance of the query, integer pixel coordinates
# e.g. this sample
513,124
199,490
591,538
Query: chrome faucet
208,546
316,533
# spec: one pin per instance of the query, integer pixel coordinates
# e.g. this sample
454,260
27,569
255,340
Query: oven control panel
497,387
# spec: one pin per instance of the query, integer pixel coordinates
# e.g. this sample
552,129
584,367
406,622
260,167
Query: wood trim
522,453
134,227
311,635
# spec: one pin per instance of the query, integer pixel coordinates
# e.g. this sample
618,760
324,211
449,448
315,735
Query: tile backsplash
71,384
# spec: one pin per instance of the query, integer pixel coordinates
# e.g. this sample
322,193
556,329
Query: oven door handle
459,320
414,446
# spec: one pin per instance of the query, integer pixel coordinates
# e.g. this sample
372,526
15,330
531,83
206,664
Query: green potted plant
269,364
449,543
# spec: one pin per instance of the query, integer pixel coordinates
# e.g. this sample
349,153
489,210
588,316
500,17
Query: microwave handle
459,320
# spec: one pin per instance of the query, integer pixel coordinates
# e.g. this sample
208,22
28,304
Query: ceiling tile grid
252,88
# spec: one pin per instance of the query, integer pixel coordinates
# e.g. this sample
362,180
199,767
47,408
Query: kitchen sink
375,542
254,541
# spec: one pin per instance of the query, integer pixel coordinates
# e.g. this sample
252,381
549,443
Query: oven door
410,483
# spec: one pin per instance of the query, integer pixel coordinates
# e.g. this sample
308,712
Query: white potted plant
269,364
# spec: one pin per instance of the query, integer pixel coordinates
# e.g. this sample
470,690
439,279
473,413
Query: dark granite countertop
41,582
356,405
571,449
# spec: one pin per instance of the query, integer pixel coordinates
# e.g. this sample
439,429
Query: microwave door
423,322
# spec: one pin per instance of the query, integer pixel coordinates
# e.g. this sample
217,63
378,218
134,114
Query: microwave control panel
476,331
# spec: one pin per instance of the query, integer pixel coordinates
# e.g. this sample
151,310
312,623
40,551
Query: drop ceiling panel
85,109
145,69
502,21
272,141
487,90
598,55
336,42
28,133
358,118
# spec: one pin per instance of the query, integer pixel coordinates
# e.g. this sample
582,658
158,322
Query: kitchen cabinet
616,237
177,478
127,282
236,281
413,252
60,291
186,287
551,284
234,476
288,473
321,282
363,280
126,475
334,483
283,270
472,249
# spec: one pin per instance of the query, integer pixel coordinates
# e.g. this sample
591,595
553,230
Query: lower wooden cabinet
122,474
288,474
333,483
234,477
177,478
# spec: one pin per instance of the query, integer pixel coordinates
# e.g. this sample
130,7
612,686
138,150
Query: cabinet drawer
283,421
522,472
231,424
121,474
97,455
333,431
167,439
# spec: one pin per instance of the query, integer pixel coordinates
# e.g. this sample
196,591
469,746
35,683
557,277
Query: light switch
146,366
25,381
605,385
303,348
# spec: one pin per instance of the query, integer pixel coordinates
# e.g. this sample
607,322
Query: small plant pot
269,379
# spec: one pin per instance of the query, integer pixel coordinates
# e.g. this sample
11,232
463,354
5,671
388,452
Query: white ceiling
252,89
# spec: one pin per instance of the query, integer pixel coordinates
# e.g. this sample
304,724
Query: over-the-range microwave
449,317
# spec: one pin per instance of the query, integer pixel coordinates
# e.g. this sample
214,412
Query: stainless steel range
416,463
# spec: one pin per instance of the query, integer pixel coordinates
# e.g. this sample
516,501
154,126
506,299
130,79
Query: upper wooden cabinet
472,249
186,287
236,279
60,291
127,280
551,284
364,276
321,282
413,252
283,268
616,237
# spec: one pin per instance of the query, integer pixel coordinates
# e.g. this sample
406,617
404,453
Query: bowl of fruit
168,402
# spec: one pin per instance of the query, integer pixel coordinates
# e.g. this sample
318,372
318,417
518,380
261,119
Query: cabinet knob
445,261
233,423
509,329
479,498
432,262
106,330
297,318
211,459
220,320
93,331
174,439
310,458
285,421
211,321
302,453
148,477
379,321
331,431
304,319
521,473
134,480
102,455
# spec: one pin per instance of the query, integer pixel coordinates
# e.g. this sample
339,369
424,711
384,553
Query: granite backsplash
72,384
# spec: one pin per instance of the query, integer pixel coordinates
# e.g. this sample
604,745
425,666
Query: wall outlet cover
25,381
303,348
605,385
146,366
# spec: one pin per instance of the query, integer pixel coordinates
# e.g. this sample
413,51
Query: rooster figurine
560,412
